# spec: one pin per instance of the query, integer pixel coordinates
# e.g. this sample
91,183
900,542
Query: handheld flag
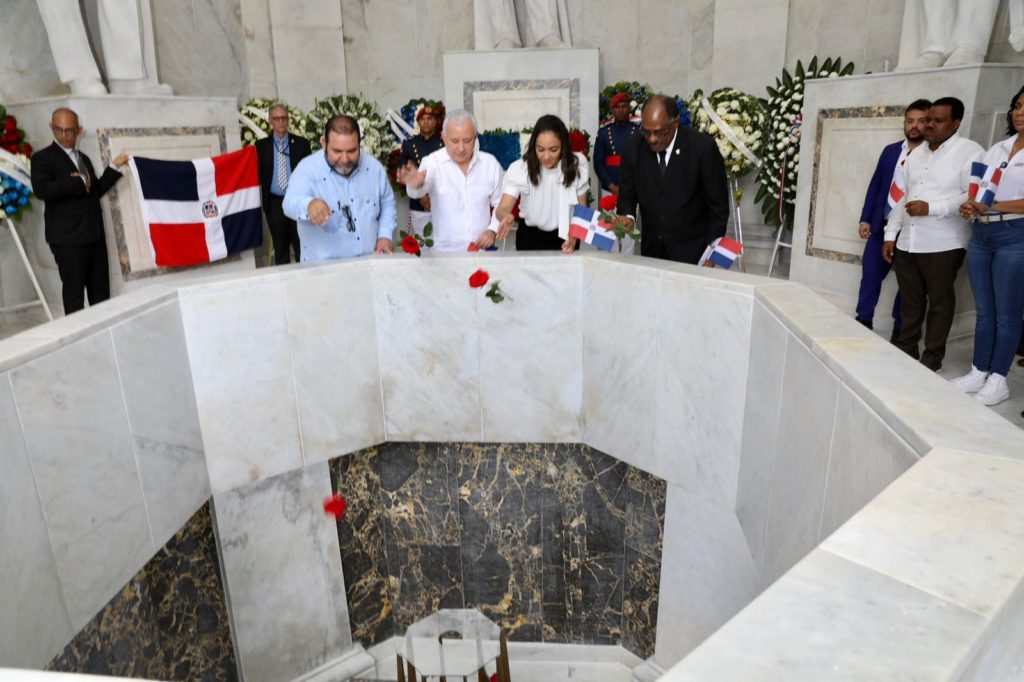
722,253
202,210
897,190
984,181
586,226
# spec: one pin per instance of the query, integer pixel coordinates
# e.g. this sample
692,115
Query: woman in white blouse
547,180
995,263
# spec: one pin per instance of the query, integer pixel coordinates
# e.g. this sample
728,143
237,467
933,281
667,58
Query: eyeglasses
661,132
57,130
347,212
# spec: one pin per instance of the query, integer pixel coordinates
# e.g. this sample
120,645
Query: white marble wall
773,417
282,565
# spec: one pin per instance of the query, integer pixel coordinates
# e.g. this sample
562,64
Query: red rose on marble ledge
410,245
478,279
335,506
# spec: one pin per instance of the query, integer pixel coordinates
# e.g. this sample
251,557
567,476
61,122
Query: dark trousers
82,268
529,238
927,299
874,269
283,231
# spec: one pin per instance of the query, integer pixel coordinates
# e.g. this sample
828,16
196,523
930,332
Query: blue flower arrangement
14,197
503,144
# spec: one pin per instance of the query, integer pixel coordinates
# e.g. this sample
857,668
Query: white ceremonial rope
728,132
15,167
399,127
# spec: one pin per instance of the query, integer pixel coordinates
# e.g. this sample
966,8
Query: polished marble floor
958,361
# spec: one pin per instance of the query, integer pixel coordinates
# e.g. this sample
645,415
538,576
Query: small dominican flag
984,181
202,210
898,188
586,226
722,252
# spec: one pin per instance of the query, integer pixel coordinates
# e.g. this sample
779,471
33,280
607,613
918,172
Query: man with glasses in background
278,154
63,177
676,177
341,198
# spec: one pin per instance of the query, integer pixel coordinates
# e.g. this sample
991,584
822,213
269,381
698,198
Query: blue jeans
995,264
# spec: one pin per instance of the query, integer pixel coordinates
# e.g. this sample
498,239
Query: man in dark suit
278,155
875,214
677,178
64,179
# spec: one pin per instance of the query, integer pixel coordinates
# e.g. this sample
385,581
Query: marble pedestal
847,121
511,89
157,127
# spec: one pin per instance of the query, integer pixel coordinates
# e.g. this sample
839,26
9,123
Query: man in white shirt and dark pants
463,184
926,238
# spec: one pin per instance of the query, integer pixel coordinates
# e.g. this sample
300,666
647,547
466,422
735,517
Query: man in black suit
677,177
64,179
278,156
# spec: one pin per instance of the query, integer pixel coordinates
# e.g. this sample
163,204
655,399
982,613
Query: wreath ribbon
729,133
13,166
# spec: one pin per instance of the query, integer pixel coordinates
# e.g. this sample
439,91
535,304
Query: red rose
10,124
410,245
335,506
478,279
609,202
26,149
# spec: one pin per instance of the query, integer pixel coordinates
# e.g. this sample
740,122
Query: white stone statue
129,71
506,24
953,32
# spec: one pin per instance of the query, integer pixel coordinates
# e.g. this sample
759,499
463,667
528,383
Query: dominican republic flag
722,252
898,188
202,210
984,181
586,226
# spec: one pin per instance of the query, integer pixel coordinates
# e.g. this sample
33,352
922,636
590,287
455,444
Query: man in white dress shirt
464,186
925,238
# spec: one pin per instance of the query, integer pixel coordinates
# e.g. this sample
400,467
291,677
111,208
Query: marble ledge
21,348
920,406
952,526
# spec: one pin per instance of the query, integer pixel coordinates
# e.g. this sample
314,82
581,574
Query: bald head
659,121
65,127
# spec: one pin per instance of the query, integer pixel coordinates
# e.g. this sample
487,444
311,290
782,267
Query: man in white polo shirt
926,238
463,184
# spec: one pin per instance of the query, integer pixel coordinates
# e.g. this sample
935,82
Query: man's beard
914,137
343,169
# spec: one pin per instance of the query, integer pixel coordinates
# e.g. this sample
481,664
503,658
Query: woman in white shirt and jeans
547,180
995,263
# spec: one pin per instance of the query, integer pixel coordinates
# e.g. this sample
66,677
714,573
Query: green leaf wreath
777,180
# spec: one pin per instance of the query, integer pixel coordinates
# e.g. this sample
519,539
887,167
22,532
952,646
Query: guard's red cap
426,111
618,98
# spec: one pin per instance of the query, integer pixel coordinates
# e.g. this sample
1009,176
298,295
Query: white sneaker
994,391
972,381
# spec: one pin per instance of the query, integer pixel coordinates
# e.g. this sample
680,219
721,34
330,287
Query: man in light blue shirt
341,199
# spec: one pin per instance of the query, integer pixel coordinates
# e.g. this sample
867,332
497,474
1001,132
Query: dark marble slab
499,496
536,536
640,603
170,621
363,555
422,530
